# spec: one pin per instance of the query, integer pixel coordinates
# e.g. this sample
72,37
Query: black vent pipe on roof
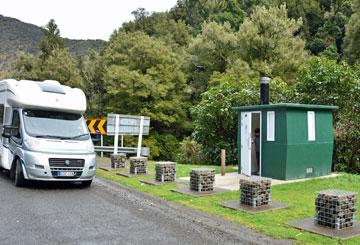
264,90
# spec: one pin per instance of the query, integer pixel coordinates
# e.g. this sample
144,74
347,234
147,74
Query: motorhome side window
1,114
16,123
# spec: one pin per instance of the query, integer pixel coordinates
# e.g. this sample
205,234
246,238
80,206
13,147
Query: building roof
284,106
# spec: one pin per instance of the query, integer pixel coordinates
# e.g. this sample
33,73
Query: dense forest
187,67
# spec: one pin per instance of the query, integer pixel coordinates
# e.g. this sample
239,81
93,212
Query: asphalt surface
107,213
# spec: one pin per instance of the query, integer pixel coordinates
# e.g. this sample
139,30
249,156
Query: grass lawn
299,196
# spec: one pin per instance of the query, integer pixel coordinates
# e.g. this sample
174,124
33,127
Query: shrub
190,152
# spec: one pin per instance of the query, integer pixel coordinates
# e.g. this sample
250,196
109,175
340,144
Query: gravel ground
107,213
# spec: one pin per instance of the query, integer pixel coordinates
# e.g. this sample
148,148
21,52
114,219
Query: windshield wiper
78,136
50,136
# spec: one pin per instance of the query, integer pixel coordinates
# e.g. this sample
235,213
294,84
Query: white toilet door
246,143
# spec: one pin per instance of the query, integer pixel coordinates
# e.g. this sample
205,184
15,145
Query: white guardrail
145,151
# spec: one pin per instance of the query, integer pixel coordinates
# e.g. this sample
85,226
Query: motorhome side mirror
9,131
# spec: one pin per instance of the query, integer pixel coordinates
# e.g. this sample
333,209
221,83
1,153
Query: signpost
118,124
97,126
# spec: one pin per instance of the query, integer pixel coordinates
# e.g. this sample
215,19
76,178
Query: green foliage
352,38
210,51
214,119
5,74
269,45
58,66
91,70
51,40
163,146
169,147
324,22
190,152
266,44
142,75
196,12
323,81
347,144
160,25
330,53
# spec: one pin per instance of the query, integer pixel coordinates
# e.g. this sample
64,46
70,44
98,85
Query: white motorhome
43,133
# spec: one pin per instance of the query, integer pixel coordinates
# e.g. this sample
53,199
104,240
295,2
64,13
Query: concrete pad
129,175
109,169
186,190
155,182
309,225
230,181
180,180
280,182
248,209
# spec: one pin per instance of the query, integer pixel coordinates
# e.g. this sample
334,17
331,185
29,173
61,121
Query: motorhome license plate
65,174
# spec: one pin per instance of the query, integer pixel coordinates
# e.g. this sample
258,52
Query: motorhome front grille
66,168
66,163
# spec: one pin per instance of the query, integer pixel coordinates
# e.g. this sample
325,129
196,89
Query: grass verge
299,196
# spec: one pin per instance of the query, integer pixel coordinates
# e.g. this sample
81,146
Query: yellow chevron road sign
97,125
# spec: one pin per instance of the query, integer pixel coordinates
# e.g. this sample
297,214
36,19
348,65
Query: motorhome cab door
250,143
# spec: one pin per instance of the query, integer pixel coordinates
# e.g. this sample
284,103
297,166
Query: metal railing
145,151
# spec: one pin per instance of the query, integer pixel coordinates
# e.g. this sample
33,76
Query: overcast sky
80,19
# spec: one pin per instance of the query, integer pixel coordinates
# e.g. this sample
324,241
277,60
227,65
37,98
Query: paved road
106,213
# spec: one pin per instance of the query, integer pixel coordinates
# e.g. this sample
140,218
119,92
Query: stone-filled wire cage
118,160
202,179
165,171
335,209
138,165
255,191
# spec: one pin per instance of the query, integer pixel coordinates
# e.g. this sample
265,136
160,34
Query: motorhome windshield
51,124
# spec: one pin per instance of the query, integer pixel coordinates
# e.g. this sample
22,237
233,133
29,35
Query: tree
60,66
91,71
51,39
196,12
324,81
352,37
269,44
210,51
214,119
332,31
160,25
231,13
143,76
26,67
323,22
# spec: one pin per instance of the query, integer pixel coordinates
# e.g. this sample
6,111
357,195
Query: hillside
17,37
